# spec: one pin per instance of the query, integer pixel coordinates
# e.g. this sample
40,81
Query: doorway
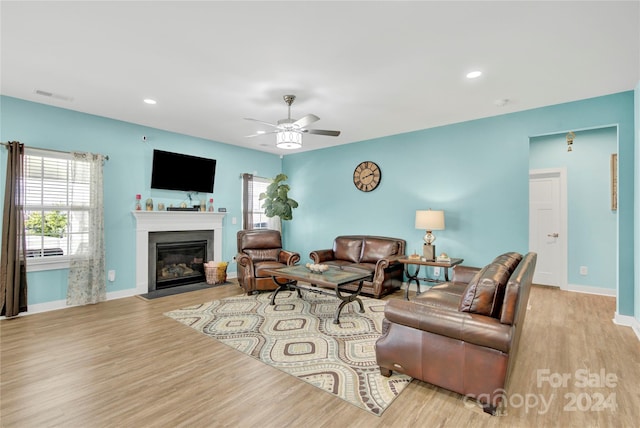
547,225
587,233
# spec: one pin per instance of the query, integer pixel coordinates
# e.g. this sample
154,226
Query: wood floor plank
122,363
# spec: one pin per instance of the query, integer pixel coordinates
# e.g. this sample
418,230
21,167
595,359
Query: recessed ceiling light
474,74
149,101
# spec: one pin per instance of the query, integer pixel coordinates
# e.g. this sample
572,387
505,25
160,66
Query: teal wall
476,171
637,203
592,225
127,173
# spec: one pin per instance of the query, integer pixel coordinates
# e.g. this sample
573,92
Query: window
260,220
57,201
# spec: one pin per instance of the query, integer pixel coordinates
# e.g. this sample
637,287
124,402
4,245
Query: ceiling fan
289,131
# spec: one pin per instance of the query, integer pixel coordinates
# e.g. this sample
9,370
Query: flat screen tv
175,171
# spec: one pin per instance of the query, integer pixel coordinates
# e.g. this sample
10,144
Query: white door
547,226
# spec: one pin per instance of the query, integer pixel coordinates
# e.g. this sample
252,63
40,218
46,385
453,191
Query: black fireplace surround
177,258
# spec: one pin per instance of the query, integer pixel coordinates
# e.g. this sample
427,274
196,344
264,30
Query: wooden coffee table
329,282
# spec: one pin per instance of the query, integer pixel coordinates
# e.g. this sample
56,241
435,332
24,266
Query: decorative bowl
317,268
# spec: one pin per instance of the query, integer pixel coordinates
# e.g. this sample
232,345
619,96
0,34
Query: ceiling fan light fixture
289,131
288,140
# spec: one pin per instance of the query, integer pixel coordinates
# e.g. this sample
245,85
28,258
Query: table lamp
429,220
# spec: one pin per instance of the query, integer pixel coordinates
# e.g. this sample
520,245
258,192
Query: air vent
53,95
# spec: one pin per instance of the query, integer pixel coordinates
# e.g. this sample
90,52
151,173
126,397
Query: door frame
560,173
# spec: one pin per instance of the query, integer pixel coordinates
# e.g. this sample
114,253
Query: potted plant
276,199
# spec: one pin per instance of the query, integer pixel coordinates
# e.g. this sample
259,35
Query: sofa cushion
485,292
455,288
347,249
376,249
512,290
507,315
371,267
509,260
262,266
259,238
438,298
261,255
337,263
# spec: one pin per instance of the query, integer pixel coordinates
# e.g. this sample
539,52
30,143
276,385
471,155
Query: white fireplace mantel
167,221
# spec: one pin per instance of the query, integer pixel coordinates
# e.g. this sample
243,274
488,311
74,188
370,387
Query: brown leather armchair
260,249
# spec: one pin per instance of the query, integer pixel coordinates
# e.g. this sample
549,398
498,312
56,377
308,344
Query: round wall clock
366,176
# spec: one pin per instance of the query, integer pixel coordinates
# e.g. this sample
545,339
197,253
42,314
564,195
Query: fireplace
180,263
177,258
176,227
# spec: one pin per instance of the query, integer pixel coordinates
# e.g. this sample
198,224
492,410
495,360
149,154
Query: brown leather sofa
260,249
462,335
377,254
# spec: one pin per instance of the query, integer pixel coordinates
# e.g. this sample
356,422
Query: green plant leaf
276,199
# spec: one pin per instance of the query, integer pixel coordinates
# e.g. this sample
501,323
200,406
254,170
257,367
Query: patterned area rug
298,337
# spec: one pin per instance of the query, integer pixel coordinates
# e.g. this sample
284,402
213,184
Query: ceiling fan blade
262,121
260,133
322,132
305,121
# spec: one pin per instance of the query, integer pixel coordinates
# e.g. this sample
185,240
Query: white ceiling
369,69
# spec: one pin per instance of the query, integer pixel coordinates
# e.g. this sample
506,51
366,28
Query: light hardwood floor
122,363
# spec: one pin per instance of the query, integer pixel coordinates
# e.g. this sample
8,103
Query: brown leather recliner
462,335
260,249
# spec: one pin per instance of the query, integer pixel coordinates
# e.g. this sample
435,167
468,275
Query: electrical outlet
111,275
584,270
234,220
436,272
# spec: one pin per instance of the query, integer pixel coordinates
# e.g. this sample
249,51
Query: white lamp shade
430,220
288,140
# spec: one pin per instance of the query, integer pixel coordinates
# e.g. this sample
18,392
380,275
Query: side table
419,263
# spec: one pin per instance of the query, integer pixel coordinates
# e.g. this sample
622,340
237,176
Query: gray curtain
13,271
247,201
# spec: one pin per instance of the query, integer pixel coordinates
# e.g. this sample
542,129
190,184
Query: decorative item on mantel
149,204
160,206
211,205
138,206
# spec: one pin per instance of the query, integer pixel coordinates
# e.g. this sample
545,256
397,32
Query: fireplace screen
180,263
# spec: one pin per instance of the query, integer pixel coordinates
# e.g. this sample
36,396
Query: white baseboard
62,304
46,307
601,291
629,321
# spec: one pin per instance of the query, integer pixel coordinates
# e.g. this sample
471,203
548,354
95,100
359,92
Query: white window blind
57,197
260,220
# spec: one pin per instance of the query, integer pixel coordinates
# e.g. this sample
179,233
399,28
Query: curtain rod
106,157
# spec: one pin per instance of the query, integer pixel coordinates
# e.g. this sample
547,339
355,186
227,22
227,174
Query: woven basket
216,274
